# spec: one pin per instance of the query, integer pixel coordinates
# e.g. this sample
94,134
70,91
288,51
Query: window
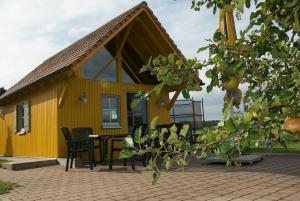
110,111
22,117
102,66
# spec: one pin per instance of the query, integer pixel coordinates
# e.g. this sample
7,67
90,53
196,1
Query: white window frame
111,124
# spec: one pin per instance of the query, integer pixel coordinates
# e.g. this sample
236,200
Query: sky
33,30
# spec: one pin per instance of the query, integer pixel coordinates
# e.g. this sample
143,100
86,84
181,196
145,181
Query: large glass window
102,66
110,111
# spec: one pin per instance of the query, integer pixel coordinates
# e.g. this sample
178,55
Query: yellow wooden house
88,84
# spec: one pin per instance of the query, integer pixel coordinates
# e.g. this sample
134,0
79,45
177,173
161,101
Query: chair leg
111,155
132,163
72,159
68,158
101,151
93,157
90,159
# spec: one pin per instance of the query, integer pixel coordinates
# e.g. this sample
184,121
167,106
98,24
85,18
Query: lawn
292,147
2,161
5,186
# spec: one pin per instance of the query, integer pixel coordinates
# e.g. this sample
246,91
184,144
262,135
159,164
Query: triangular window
102,66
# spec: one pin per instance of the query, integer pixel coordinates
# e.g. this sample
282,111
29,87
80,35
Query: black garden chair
115,149
82,134
77,146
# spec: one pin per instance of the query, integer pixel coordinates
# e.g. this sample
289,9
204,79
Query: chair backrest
82,134
67,136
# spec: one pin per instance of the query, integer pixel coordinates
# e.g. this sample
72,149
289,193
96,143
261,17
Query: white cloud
33,30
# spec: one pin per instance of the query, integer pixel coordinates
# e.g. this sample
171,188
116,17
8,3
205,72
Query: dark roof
80,49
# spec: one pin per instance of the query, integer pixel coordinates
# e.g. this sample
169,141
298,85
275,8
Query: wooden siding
41,140
74,113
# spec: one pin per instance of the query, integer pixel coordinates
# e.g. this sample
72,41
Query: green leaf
127,153
134,103
171,58
217,36
227,108
173,138
229,125
201,49
247,117
128,142
155,177
277,102
153,123
184,130
216,59
209,73
186,94
240,5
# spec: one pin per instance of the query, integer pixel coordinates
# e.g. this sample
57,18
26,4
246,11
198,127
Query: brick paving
275,178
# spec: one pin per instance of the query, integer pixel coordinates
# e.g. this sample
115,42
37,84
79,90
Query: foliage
266,58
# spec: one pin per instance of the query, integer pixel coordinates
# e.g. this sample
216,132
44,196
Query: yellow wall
41,140
45,138
74,113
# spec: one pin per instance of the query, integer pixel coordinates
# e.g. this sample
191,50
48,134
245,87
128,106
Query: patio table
104,138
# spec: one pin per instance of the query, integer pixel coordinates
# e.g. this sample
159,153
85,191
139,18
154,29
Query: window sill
111,126
21,133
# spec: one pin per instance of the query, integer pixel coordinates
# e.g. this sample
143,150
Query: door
137,115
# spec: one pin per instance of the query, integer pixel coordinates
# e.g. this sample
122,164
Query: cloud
31,31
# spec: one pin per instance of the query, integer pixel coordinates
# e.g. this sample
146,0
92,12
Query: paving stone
275,178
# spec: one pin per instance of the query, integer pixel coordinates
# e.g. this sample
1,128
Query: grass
292,147
2,161
5,187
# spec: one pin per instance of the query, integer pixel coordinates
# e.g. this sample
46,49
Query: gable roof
74,53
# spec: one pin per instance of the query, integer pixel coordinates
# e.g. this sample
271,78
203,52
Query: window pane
126,78
114,116
97,67
20,117
109,72
105,102
106,116
111,110
114,102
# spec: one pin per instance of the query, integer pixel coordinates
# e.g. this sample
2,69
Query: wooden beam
172,88
131,71
62,95
124,39
171,103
